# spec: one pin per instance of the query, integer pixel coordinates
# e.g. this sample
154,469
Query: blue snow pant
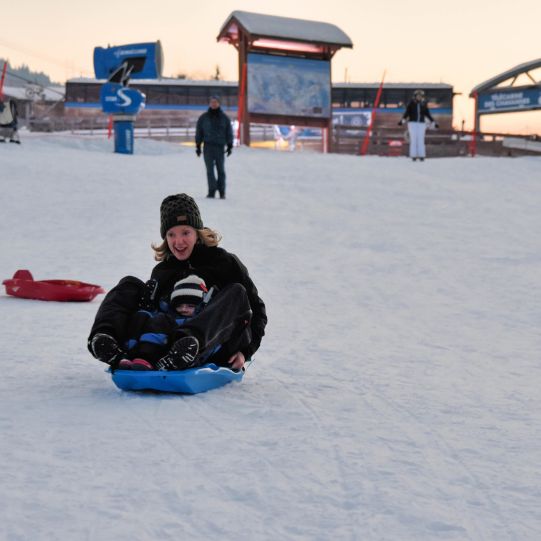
214,157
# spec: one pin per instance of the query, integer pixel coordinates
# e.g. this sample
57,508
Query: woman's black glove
148,299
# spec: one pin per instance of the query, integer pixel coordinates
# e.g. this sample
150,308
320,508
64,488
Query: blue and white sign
145,60
117,99
509,100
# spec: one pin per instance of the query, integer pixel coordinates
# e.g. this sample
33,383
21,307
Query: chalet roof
504,76
285,28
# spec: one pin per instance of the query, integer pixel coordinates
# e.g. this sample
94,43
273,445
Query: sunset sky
461,43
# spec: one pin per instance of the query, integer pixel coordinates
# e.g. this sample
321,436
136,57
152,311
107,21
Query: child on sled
152,333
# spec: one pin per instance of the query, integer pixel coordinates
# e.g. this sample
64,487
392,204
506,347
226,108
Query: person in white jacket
8,121
416,115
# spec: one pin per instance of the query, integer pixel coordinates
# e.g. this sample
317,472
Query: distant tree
217,74
21,75
180,76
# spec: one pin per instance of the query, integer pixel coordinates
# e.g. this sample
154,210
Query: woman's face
181,239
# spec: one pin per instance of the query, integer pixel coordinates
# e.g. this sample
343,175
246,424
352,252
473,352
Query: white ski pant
417,139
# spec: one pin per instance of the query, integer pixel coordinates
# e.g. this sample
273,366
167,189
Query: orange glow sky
461,43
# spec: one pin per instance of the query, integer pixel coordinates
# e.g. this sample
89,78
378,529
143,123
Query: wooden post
241,104
328,129
473,144
243,100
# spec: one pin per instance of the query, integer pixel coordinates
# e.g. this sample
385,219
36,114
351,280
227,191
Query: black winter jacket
215,265
214,128
417,111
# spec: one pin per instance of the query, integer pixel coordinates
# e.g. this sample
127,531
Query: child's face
185,309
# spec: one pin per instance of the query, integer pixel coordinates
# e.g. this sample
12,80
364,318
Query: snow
395,396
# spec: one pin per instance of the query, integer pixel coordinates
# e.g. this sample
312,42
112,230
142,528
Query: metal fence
345,139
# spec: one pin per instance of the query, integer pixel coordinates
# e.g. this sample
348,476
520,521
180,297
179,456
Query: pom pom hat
179,209
189,290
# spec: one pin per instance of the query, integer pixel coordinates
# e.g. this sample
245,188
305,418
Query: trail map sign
289,86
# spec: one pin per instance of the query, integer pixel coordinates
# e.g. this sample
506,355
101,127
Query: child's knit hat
179,209
189,290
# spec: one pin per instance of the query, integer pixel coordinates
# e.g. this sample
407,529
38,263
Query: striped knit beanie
189,290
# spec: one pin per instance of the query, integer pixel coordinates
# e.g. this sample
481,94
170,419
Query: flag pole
2,79
366,141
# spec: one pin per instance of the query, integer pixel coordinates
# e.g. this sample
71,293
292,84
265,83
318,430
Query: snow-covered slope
395,396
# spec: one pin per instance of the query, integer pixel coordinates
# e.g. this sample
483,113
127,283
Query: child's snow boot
141,364
182,355
134,364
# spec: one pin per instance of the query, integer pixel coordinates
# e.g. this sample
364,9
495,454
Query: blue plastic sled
191,381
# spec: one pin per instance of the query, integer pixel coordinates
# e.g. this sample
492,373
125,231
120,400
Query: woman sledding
227,331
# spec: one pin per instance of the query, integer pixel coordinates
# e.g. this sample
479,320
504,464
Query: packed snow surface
396,395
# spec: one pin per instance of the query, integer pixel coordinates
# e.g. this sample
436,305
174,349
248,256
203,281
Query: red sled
23,285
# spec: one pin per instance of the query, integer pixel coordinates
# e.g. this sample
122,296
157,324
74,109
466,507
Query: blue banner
124,136
509,101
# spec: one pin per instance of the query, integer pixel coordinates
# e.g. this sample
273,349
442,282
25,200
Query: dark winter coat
214,128
215,265
417,111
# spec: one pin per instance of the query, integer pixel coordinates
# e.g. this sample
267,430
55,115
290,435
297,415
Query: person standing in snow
292,138
234,319
9,121
416,114
214,131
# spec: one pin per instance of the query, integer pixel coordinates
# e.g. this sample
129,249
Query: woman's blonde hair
205,236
